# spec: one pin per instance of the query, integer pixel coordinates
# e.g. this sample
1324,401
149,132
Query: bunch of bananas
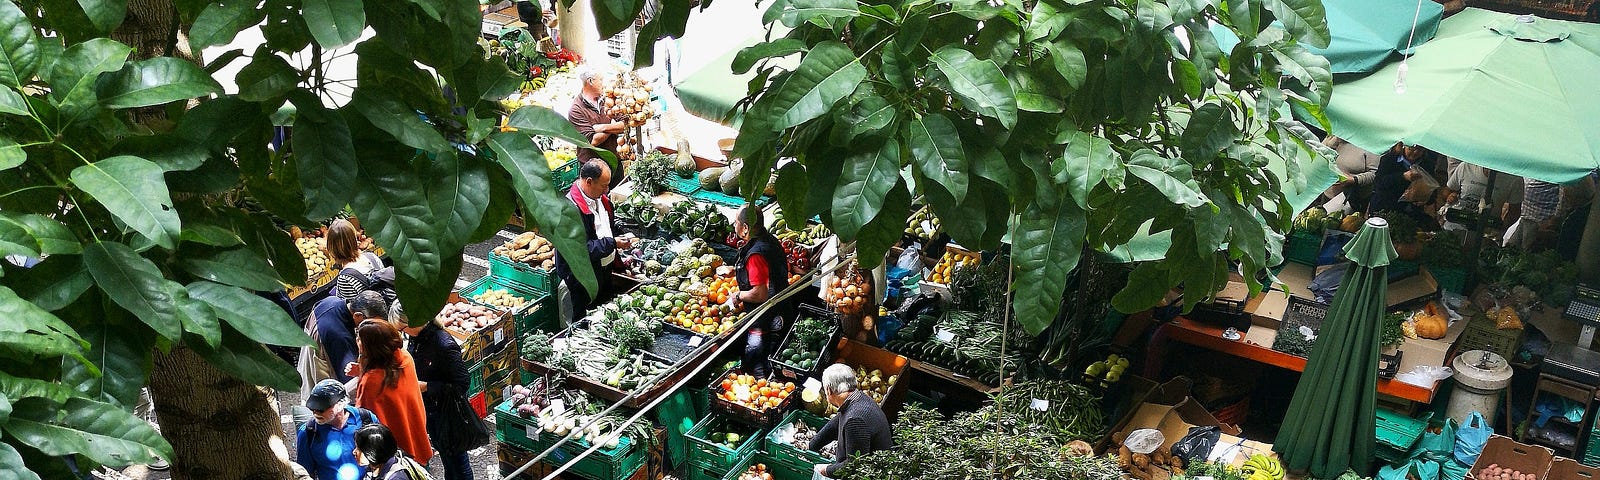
924,224
1107,371
1262,467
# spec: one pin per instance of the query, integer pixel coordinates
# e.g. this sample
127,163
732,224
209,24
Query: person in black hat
326,447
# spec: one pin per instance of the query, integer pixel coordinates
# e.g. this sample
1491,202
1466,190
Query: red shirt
756,269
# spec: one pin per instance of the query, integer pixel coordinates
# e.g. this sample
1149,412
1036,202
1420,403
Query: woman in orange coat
387,385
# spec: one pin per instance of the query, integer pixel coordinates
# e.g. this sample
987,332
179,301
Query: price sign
813,384
558,406
499,334
695,341
534,432
944,335
1041,405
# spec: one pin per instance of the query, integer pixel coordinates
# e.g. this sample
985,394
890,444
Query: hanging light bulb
1400,79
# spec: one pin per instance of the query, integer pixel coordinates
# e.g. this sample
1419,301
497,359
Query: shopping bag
1470,439
1449,469
1440,444
1414,469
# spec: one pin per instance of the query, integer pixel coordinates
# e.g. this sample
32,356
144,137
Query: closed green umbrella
1330,426
1511,93
1366,33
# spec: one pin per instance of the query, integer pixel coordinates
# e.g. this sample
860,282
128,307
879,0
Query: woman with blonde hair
359,271
385,380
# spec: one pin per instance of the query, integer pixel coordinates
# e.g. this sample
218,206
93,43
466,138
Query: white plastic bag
1144,440
1424,376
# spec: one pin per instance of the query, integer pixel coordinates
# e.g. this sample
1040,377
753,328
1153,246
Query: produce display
652,172
798,435
806,339
529,248
872,383
315,252
1143,466
627,99
683,162
756,472
697,220
1106,372
807,234
963,341
499,298
1496,472
1262,467
1523,280
556,157
754,393
575,411
649,257
537,346
465,318
949,263
638,208
968,442
1062,408
1314,220
721,289
726,438
849,291
924,225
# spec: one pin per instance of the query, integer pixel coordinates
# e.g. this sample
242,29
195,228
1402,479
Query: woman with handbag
453,427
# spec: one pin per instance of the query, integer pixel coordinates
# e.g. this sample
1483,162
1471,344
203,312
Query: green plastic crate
713,456
780,450
531,277
535,310
726,200
563,176
1451,279
686,186
782,469
604,464
740,466
1397,433
1302,247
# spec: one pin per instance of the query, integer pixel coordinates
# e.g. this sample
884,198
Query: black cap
325,395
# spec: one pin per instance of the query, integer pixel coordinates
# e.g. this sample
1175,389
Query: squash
710,178
730,177
1431,323
1352,222
684,164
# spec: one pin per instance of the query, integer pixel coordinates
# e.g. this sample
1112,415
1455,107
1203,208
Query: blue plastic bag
1470,438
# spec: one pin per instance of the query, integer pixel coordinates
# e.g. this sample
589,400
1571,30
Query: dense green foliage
1059,126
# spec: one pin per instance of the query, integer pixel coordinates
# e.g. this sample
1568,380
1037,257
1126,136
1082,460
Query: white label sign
813,384
944,335
695,341
533,432
1041,405
557,406
499,334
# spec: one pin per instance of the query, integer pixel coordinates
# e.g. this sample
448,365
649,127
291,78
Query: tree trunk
219,426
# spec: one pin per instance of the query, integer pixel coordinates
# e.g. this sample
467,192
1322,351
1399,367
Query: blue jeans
456,466
755,354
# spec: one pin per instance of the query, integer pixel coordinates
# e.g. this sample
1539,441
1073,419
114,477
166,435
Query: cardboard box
1508,453
1422,352
1568,469
1261,336
1234,451
1266,310
1415,287
1295,277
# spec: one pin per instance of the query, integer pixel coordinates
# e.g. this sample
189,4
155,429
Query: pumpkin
1352,222
1431,323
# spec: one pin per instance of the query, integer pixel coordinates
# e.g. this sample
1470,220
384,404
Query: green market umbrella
1330,426
1509,93
1366,33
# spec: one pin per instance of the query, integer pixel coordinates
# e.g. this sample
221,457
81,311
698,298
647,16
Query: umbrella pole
1483,223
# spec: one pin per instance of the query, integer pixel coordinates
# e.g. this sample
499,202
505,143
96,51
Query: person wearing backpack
359,271
377,452
326,447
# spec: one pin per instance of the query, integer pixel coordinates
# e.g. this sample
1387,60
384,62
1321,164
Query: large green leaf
249,361
885,230
502,202
38,234
828,73
261,234
133,190
156,81
1047,244
1144,165
614,16
748,56
978,83
792,185
869,116
544,121
11,154
104,15
123,358
221,21
555,215
11,466
802,11
458,194
391,115
106,433
334,23
423,301
1306,19
1210,129
239,266
252,315
198,319
1084,165
325,157
54,283
16,389
172,152
12,103
937,151
266,77
18,316
1037,90
863,185
72,77
136,284
19,47
389,198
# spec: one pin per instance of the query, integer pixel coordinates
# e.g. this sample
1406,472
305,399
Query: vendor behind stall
860,427
592,120
762,271
591,194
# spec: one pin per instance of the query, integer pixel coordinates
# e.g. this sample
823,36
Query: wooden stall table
1182,329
